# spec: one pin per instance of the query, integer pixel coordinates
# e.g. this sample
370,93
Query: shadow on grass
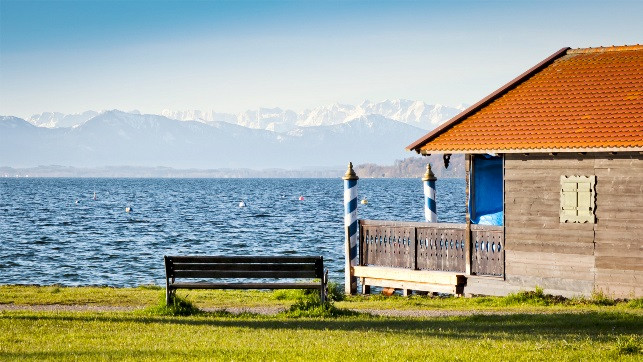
595,325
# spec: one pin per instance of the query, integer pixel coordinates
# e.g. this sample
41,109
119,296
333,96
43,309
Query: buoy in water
242,204
78,201
128,209
301,198
94,195
364,201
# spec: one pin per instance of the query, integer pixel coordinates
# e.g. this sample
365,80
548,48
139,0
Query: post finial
350,174
429,176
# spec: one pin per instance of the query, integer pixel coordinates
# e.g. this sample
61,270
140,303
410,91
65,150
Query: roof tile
585,99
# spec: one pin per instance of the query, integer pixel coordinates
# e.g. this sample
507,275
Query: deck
432,257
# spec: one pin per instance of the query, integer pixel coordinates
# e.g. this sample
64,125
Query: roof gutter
498,151
415,146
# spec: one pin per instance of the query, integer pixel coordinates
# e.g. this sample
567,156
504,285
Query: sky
229,56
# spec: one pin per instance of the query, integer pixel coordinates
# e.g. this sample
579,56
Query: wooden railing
441,247
431,246
487,250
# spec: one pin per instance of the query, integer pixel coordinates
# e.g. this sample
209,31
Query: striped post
350,227
430,210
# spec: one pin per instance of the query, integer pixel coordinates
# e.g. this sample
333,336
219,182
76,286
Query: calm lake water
53,231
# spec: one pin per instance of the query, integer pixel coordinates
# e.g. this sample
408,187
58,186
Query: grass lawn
575,331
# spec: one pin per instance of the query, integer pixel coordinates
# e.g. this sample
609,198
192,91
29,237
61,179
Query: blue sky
72,56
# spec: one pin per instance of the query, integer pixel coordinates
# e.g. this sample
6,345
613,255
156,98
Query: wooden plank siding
575,258
619,227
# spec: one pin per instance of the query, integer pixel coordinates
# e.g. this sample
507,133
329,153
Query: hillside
413,167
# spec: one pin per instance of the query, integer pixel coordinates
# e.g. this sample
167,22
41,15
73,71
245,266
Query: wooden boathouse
554,178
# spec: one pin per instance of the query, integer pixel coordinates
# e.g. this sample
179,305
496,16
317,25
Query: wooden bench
244,267
409,280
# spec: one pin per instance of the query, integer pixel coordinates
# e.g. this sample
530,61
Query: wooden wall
571,258
619,227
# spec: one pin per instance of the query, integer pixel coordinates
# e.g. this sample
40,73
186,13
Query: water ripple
48,238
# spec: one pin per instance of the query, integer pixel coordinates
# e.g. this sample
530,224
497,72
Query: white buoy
77,201
128,209
364,201
242,204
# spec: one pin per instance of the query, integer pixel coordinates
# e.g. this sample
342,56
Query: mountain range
414,113
326,137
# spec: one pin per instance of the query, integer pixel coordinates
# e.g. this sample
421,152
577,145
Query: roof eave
415,146
535,150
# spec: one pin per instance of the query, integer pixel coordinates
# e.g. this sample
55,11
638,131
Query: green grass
146,296
117,336
528,301
590,329
178,307
140,297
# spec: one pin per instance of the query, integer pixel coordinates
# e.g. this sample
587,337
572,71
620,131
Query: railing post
430,209
414,248
467,231
350,225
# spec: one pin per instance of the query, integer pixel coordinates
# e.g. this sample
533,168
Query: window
577,199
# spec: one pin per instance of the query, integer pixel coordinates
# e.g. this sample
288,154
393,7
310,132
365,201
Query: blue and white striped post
350,227
430,209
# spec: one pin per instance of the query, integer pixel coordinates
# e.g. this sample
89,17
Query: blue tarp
487,186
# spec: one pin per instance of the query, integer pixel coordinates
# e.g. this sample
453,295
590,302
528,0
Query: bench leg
366,289
168,298
324,288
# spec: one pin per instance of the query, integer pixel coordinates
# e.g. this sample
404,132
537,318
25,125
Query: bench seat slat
245,285
244,259
243,274
176,266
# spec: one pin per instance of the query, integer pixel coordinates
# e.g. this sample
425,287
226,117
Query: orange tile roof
577,99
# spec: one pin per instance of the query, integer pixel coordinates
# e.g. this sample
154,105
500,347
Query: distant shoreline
158,172
412,167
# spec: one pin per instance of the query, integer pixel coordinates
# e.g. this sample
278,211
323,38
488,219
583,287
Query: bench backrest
244,267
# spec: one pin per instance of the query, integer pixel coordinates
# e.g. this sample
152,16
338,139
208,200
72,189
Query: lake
53,231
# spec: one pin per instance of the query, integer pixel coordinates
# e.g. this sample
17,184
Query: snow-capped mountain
415,113
57,119
130,139
329,136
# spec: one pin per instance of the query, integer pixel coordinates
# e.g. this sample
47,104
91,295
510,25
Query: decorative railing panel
385,245
441,248
487,250
431,246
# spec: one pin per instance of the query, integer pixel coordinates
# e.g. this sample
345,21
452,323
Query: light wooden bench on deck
407,279
244,267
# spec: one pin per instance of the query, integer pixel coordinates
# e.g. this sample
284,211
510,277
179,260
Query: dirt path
106,308
268,310
65,308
